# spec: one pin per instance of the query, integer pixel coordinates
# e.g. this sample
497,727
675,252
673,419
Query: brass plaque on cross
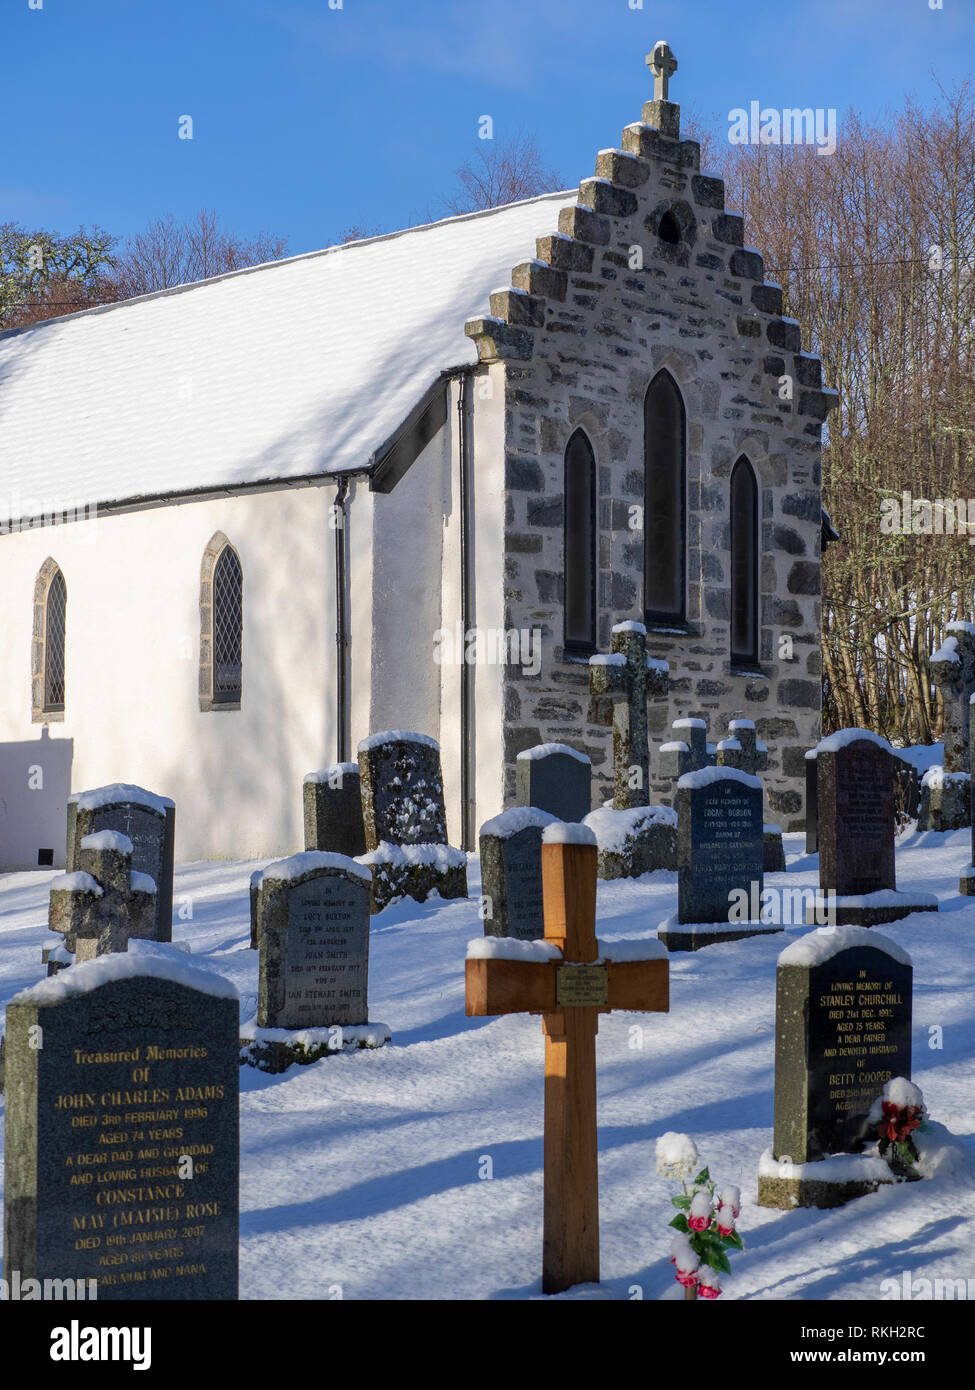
581,986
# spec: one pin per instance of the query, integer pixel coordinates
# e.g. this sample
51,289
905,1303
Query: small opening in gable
669,231
45,858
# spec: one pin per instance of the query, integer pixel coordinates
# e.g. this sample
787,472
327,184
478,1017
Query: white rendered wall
407,578
132,668
489,577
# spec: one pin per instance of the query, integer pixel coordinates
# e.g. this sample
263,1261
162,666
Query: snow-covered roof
303,366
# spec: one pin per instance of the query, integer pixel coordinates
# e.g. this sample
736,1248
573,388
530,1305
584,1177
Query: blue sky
308,119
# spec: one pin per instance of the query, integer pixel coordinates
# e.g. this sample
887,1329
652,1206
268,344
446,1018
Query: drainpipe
468,671
343,639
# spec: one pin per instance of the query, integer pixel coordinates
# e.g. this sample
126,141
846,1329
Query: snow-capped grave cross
663,65
104,903
619,686
569,978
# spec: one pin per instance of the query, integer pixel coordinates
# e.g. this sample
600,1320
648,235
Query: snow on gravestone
149,821
332,804
842,1030
402,790
511,873
122,1130
556,778
720,856
313,914
856,825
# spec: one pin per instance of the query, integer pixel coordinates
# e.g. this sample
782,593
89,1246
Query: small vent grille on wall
45,858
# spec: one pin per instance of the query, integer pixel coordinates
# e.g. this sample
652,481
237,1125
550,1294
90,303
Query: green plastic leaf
702,1178
683,1202
680,1223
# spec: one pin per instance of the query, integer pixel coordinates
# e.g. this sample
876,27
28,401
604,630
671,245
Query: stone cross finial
663,65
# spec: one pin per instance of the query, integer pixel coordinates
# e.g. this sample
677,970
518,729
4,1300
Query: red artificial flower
899,1121
706,1291
688,1278
699,1223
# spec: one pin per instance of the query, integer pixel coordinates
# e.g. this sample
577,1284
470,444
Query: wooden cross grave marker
570,990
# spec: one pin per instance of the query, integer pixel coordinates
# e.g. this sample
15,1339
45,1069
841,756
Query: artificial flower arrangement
895,1115
704,1224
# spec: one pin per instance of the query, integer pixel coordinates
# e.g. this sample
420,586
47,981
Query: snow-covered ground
364,1170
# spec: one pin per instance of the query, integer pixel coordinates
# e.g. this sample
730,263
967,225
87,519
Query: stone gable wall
582,335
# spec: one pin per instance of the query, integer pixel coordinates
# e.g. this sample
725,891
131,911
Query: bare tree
171,252
503,171
874,247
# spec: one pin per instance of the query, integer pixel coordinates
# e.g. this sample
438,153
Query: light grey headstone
313,912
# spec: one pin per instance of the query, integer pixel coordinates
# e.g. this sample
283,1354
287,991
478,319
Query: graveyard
368,1170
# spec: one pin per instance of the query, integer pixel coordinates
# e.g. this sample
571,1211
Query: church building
410,483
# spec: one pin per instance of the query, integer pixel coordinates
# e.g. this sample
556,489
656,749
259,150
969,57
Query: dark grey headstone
148,820
333,810
313,912
402,790
511,873
555,778
856,815
812,803
842,1030
151,1063
720,842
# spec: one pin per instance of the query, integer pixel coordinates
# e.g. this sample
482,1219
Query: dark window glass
580,544
228,585
664,501
744,564
54,626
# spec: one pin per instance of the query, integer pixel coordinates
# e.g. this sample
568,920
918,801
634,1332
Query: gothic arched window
50,623
744,565
580,544
665,506
222,625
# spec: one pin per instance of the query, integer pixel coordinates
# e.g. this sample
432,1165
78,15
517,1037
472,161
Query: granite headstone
556,778
511,873
313,912
122,1130
332,803
843,1001
856,826
402,790
149,821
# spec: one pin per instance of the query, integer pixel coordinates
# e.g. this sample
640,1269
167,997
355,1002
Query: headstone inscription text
859,1038
122,1148
326,959
843,1029
721,847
